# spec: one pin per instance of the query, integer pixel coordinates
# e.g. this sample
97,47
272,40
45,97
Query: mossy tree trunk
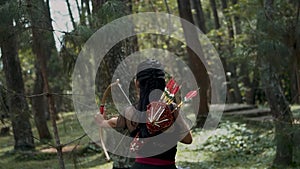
17,104
278,103
42,36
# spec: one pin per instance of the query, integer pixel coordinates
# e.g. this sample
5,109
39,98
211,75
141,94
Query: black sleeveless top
159,145
168,138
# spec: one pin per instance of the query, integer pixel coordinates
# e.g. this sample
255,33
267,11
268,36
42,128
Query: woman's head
150,76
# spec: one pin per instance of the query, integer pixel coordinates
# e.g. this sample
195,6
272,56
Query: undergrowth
234,144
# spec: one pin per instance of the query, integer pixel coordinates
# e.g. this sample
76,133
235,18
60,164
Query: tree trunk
82,18
195,63
283,119
295,79
17,103
199,16
96,4
115,55
237,21
230,90
275,96
78,8
39,108
251,87
215,13
296,57
88,11
231,94
42,47
4,109
293,42
232,66
233,84
71,14
228,20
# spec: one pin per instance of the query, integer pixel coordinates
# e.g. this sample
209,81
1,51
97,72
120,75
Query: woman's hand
99,119
101,122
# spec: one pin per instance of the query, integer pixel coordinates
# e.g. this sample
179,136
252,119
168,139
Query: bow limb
105,94
102,111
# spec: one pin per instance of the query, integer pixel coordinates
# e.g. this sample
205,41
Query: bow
102,111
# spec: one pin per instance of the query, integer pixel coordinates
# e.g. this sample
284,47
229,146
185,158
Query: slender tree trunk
132,46
82,13
39,108
51,51
230,98
234,83
228,20
114,57
78,8
251,86
96,4
71,14
232,66
88,11
215,13
237,21
230,93
294,46
296,55
295,79
4,109
196,65
199,16
17,103
275,96
42,47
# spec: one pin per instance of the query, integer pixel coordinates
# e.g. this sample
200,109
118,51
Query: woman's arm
183,129
119,121
188,139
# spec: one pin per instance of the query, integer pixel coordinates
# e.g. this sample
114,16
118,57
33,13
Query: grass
210,149
69,129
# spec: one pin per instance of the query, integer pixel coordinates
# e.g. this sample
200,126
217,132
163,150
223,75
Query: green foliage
235,144
238,140
276,35
156,6
74,40
111,10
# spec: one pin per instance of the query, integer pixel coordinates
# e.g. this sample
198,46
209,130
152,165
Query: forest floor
235,144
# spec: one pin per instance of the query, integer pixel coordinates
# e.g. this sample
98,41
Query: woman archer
143,126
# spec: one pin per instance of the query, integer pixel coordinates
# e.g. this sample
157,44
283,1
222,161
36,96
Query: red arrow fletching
175,90
170,84
191,94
